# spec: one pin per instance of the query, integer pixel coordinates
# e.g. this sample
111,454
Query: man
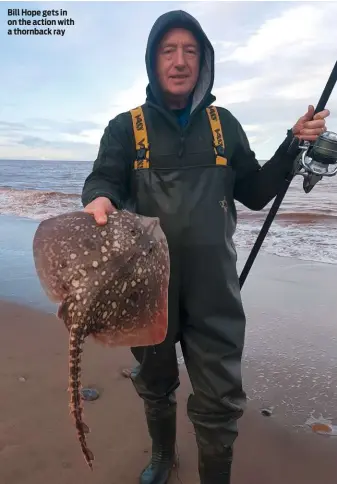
192,190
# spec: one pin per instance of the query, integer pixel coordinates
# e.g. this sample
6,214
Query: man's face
178,60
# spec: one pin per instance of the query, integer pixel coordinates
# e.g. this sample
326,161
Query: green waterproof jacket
173,146
193,197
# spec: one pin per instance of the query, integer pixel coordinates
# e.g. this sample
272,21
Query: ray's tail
76,341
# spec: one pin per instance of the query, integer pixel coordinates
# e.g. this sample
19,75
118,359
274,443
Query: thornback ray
111,283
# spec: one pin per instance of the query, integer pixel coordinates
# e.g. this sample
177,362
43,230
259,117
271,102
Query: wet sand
38,442
291,340
289,365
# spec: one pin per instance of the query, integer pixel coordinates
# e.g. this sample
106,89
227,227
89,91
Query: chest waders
196,209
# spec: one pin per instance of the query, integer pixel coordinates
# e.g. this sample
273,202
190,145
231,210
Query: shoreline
288,366
290,354
284,239
38,442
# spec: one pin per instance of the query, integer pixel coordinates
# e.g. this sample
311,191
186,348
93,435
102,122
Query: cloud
253,127
305,85
272,60
36,148
37,142
33,141
294,31
89,137
124,100
202,9
242,91
55,135
43,124
278,69
70,126
11,126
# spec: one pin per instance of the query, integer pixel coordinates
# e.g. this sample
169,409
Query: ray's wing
47,258
131,308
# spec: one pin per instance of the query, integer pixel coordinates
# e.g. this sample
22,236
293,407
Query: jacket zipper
181,149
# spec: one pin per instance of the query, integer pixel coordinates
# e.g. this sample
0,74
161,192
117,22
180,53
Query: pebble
267,412
89,394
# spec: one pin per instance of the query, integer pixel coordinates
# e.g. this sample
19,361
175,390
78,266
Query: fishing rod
313,161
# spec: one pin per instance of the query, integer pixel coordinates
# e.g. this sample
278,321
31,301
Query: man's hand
100,208
309,127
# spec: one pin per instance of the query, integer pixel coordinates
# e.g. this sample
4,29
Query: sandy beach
289,366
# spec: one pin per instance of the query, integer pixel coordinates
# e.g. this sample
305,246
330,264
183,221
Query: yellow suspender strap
218,140
142,145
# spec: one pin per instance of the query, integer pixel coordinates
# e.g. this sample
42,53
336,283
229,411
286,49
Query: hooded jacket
171,143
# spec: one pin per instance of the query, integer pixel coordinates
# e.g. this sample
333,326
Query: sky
57,94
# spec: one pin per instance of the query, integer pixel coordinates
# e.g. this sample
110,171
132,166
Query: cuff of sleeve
285,145
92,196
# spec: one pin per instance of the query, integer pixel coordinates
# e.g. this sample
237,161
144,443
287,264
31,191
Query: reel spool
317,160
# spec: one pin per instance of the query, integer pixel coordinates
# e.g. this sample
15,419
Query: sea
304,228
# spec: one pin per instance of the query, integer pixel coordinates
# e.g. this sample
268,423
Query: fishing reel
317,159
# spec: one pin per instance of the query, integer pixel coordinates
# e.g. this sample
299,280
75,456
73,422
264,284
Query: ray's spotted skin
111,282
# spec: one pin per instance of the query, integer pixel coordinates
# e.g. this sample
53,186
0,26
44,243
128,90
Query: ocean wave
37,204
306,217
301,233
316,243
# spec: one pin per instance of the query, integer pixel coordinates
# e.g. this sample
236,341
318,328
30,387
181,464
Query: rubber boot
162,429
215,467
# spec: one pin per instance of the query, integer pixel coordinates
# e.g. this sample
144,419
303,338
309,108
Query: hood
180,19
